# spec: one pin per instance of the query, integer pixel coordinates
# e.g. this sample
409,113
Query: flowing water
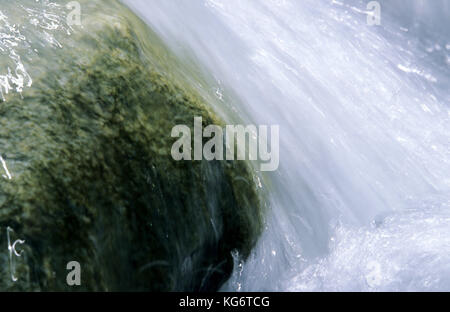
361,200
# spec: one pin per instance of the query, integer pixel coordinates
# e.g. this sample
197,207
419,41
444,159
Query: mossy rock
90,175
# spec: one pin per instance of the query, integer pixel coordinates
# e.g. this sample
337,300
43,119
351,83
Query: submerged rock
86,169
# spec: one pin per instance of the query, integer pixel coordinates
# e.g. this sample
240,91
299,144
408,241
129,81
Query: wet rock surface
87,174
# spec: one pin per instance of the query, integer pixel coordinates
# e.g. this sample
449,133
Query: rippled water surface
21,42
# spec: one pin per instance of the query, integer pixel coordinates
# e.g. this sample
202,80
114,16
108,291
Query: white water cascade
361,200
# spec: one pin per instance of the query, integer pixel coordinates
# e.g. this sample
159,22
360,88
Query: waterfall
361,200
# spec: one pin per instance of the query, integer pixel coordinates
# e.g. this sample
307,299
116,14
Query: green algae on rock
90,178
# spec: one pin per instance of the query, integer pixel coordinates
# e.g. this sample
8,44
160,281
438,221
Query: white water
362,197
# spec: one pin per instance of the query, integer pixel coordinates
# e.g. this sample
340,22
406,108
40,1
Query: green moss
93,180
